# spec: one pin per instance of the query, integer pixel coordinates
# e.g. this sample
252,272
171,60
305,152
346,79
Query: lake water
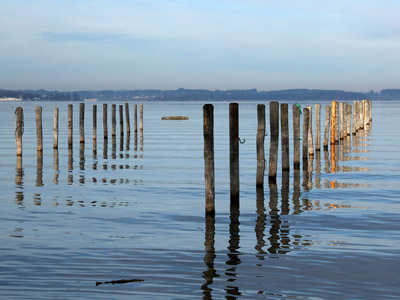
73,224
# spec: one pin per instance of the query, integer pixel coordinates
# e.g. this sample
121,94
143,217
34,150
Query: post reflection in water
70,179
56,166
105,154
233,254
39,169
128,141
260,224
296,192
121,146
274,219
327,162
19,182
318,169
82,163
113,148
210,273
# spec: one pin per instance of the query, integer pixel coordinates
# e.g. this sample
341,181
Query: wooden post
274,141
70,125
310,134
105,121
348,116
327,127
296,137
341,120
113,120
306,124
285,137
19,129
55,128
354,127
365,113
82,122
121,120
234,152
317,127
141,117
135,117
360,115
128,121
208,132
260,145
370,111
39,131
337,135
333,122
94,122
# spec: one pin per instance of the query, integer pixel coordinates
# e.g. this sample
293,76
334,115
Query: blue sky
268,45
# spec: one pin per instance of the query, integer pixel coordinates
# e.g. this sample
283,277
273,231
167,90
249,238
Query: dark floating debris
175,118
122,281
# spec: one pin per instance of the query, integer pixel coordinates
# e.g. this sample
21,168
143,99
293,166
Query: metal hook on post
240,141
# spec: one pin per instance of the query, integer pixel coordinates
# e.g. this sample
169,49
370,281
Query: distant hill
201,95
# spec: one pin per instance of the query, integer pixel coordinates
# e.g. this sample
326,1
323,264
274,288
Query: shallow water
136,212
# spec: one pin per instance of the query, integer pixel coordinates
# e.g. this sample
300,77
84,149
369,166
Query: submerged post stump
274,141
234,152
260,145
285,137
208,133
39,131
296,137
19,129
55,128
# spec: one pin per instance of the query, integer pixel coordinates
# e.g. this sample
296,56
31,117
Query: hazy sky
237,44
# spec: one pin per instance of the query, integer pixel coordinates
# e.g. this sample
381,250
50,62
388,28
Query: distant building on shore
9,99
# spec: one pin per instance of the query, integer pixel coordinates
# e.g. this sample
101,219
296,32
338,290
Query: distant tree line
201,95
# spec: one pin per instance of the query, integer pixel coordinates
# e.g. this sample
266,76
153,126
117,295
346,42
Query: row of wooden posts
338,120
19,125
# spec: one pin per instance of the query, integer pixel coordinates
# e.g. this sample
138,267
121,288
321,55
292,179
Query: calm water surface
133,210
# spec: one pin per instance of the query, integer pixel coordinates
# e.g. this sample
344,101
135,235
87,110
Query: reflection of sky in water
135,209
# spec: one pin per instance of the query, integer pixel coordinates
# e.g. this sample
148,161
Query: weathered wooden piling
365,113
70,125
55,127
348,116
370,111
208,133
354,127
306,124
39,131
327,126
135,121
333,122
128,120
113,120
105,121
94,122
341,121
285,137
317,127
274,141
82,122
310,134
360,115
19,129
260,145
337,135
141,117
296,137
234,152
121,120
